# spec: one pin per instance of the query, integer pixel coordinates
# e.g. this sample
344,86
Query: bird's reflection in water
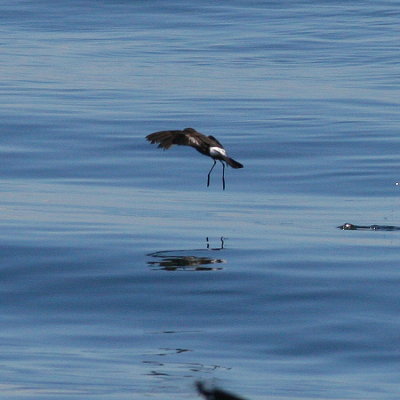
187,260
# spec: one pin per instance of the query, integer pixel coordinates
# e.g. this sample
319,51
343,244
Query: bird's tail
231,162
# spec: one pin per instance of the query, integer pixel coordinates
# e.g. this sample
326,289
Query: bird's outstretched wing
166,139
187,137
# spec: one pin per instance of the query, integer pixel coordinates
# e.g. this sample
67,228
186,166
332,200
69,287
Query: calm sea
122,276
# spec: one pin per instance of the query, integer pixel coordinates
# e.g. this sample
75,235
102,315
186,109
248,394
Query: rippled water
123,275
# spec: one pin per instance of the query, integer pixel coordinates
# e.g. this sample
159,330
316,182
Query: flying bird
207,145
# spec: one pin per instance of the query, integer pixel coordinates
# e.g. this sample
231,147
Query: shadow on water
351,227
187,260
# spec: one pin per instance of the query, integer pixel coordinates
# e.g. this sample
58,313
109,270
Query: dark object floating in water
207,145
351,227
215,393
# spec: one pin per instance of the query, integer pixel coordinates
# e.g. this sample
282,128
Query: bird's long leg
208,176
223,175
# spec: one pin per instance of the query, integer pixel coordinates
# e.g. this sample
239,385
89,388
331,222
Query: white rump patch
216,151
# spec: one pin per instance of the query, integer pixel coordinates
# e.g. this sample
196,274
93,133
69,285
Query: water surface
123,275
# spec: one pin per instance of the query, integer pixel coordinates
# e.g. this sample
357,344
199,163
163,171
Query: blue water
123,276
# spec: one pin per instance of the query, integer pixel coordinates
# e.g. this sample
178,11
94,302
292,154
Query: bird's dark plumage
207,145
190,137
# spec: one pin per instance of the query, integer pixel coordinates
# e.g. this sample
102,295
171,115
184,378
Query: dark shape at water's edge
187,260
351,227
215,393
